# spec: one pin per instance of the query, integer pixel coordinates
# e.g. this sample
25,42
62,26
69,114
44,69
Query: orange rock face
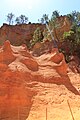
15,95
25,82
31,64
3,67
6,54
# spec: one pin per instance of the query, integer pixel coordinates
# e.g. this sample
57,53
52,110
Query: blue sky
34,9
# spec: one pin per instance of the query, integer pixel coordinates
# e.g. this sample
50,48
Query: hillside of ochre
37,88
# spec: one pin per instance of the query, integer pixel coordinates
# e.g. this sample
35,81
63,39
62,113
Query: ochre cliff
18,34
29,85
22,34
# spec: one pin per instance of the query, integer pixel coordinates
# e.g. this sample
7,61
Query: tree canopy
44,19
10,17
21,19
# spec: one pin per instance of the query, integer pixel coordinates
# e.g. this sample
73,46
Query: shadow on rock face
15,103
63,80
15,98
69,86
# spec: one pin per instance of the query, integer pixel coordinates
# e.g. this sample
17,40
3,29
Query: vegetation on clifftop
68,41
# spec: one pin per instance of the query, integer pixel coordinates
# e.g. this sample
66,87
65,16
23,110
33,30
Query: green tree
44,19
73,39
10,17
74,17
37,37
21,19
55,14
53,24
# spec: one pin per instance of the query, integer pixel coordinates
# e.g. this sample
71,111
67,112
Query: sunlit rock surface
29,84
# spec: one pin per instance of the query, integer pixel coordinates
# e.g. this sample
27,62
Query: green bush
68,35
37,37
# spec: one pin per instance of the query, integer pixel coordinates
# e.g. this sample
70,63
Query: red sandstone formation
29,85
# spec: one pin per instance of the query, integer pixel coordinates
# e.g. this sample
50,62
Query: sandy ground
58,101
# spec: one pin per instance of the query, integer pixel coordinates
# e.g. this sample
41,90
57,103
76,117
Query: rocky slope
36,88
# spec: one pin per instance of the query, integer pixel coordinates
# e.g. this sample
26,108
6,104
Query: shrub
37,37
